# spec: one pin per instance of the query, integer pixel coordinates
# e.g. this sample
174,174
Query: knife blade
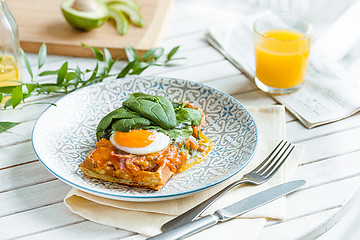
231,211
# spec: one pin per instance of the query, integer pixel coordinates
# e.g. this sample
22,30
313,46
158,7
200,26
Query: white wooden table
31,198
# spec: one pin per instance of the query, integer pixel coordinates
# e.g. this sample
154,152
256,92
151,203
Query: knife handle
188,229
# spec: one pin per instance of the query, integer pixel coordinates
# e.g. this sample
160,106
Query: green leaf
173,59
48,88
7,89
79,74
42,55
46,73
126,124
156,108
180,133
172,52
138,68
126,69
93,75
4,126
92,81
7,103
108,59
31,87
125,121
107,54
110,65
153,54
138,71
158,53
16,96
78,70
70,76
26,95
27,64
61,73
98,54
131,54
188,116
1,97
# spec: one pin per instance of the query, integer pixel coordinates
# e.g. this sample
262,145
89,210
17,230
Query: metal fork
259,175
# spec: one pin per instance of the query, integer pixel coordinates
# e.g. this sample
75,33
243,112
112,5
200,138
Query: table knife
231,211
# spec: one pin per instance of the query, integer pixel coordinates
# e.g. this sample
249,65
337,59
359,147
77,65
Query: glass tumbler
282,47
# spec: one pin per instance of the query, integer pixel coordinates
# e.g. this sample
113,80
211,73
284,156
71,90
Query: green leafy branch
70,79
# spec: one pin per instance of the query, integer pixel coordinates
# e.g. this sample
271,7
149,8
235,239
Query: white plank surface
23,175
16,154
31,197
37,220
81,231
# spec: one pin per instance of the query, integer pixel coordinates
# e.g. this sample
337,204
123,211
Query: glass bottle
10,56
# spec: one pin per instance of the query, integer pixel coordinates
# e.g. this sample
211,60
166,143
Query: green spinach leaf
188,116
156,108
120,119
126,124
143,111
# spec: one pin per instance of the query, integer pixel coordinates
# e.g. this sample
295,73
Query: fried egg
140,142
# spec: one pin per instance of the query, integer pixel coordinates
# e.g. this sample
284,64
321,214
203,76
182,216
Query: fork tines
277,157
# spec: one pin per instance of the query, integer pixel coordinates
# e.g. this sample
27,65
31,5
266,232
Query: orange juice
282,57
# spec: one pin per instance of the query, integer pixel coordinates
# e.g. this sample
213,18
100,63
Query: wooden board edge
33,47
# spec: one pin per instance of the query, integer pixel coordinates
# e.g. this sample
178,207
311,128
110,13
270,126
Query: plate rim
134,198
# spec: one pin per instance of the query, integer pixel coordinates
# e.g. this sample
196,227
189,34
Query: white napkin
147,217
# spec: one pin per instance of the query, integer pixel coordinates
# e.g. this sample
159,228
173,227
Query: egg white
160,142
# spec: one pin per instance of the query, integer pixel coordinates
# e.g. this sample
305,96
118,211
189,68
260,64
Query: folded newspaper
328,94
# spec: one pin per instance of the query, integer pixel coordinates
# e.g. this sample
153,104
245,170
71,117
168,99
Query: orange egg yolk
134,138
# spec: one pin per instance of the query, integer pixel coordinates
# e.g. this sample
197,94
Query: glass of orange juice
282,47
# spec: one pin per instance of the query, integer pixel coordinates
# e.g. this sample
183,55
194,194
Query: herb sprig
70,79
4,126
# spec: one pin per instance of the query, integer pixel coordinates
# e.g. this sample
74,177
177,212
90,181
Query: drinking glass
282,48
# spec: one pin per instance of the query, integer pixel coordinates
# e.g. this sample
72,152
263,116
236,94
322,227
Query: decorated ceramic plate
65,134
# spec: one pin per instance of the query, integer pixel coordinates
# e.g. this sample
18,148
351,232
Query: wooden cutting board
41,21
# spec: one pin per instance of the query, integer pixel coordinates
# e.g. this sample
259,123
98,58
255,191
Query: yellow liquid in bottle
9,72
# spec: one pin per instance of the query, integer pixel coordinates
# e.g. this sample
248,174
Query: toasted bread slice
153,180
152,171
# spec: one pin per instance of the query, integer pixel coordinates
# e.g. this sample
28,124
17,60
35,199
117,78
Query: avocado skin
83,23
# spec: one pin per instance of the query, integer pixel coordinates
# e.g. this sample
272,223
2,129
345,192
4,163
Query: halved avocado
85,14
